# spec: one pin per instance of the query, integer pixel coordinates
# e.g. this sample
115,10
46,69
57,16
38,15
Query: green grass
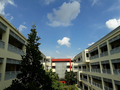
69,87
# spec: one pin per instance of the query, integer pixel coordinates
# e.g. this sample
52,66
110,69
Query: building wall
101,70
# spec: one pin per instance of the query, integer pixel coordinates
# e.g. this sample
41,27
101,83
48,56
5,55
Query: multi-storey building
12,46
98,66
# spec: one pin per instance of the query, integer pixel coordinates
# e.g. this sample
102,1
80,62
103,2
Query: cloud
24,22
69,56
57,52
94,2
64,15
79,48
112,23
57,47
47,2
3,4
11,18
64,41
21,27
91,44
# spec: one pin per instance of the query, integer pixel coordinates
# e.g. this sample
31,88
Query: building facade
12,46
98,66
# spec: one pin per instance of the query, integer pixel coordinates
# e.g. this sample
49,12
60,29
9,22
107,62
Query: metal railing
95,70
94,57
89,81
11,74
84,79
107,71
116,71
75,69
115,50
2,44
84,69
15,49
97,85
104,54
107,88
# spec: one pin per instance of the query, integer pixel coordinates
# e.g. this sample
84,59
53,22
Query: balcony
107,88
97,85
115,50
89,81
116,71
107,71
15,49
95,70
80,69
11,74
84,69
2,26
104,54
75,69
84,79
94,57
2,44
0,76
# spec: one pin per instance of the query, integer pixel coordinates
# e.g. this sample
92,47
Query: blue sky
66,27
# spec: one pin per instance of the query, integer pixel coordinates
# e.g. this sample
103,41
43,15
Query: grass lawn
69,87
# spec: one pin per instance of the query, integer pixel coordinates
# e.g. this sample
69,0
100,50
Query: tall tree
70,77
32,76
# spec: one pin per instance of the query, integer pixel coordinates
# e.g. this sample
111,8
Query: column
102,83
113,83
108,47
111,67
100,67
99,52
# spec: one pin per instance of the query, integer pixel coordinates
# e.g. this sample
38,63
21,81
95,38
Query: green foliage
32,76
70,78
56,85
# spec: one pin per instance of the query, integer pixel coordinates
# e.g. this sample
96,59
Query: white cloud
91,44
21,27
57,52
24,22
47,2
11,18
57,47
113,23
64,15
69,56
64,41
94,2
79,48
3,4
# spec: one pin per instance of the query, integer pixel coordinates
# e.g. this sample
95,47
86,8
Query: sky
66,27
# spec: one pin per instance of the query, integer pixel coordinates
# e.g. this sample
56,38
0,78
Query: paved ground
77,86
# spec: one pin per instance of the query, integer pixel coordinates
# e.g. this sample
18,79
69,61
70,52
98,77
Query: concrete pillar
108,47
90,67
5,38
113,83
99,51
111,67
3,68
102,83
100,67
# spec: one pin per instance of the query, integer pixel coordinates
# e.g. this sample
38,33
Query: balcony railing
107,88
80,69
104,54
107,71
2,44
11,74
116,71
95,70
0,76
75,69
84,69
94,57
84,79
97,85
15,49
115,50
89,81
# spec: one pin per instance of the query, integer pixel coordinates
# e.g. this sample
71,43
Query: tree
32,76
56,84
70,77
